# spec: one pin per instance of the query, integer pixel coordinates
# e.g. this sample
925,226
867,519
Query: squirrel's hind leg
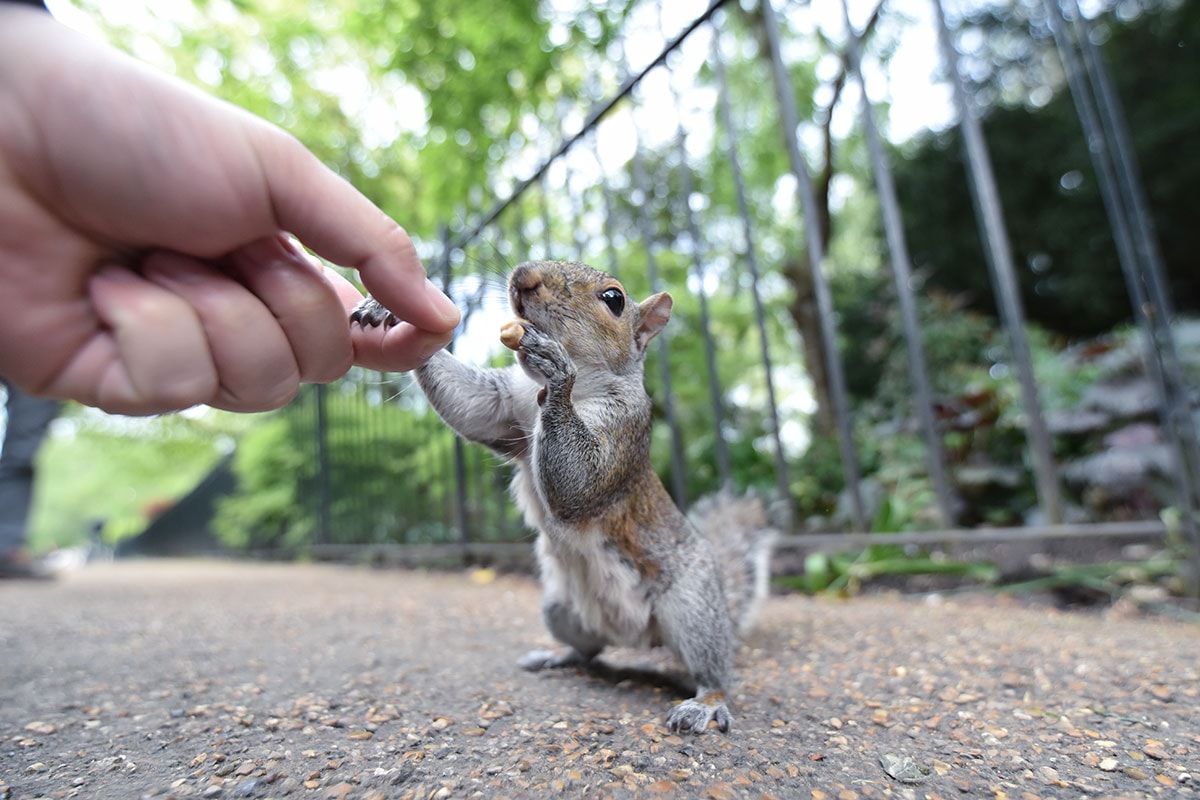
564,624
538,660
693,716
694,620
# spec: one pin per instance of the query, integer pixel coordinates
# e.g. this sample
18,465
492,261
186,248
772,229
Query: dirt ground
234,680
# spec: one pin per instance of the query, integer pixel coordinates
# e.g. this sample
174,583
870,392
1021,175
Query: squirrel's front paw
545,359
693,716
370,313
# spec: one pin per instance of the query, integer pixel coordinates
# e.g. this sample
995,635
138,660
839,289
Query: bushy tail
740,530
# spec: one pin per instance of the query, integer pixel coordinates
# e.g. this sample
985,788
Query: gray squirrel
619,563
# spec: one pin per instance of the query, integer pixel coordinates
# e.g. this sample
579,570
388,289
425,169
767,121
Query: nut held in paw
511,333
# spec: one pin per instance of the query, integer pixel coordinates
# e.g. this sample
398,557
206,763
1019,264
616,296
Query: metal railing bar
790,122
641,184
1129,181
459,503
897,245
544,211
324,493
809,541
699,270
782,481
1149,315
610,247
593,119
1102,530
990,215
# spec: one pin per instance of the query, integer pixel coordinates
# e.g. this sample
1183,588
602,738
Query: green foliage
953,340
1111,579
818,479
981,410
846,573
119,472
388,461
272,467
387,475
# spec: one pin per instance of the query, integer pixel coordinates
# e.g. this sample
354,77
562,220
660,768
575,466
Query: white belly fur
579,567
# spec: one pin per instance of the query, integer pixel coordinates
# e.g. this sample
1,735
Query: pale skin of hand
145,257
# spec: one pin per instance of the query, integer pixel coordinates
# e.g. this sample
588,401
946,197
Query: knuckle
184,392
280,396
329,370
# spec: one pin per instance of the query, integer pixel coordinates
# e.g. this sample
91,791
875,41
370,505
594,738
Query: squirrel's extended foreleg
495,407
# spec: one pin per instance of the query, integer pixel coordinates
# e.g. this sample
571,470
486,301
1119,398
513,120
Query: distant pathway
182,679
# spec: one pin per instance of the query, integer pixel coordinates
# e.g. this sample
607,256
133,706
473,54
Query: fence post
323,491
678,470
460,469
990,217
902,273
782,481
1137,249
790,121
695,239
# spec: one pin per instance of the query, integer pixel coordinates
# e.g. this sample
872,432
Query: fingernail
174,267
442,304
114,272
277,252
293,249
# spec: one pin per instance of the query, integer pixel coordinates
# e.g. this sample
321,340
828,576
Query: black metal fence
648,220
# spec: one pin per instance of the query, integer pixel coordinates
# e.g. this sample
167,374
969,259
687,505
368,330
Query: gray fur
742,534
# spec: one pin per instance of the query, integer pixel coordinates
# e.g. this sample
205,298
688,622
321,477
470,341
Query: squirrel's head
588,312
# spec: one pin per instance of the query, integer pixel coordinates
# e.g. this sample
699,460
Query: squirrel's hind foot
693,715
538,660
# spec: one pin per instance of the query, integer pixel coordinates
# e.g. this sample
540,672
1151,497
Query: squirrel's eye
615,300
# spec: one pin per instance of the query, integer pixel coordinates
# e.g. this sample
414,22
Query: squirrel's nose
523,282
525,278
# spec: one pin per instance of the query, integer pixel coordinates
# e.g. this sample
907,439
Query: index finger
339,223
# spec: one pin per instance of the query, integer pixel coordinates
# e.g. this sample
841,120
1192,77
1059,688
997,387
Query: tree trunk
798,271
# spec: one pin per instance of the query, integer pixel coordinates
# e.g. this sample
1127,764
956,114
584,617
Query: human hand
145,259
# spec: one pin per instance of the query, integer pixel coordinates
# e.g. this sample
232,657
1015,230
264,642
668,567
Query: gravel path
184,679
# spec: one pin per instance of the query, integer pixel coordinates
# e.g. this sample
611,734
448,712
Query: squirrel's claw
370,313
546,360
693,716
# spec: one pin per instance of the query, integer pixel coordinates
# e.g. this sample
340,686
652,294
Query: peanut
511,333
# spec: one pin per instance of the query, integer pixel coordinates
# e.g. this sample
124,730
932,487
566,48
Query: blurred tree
758,137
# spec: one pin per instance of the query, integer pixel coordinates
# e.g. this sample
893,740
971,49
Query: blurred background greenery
435,110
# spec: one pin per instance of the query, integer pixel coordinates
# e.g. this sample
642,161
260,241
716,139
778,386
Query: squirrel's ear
653,315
